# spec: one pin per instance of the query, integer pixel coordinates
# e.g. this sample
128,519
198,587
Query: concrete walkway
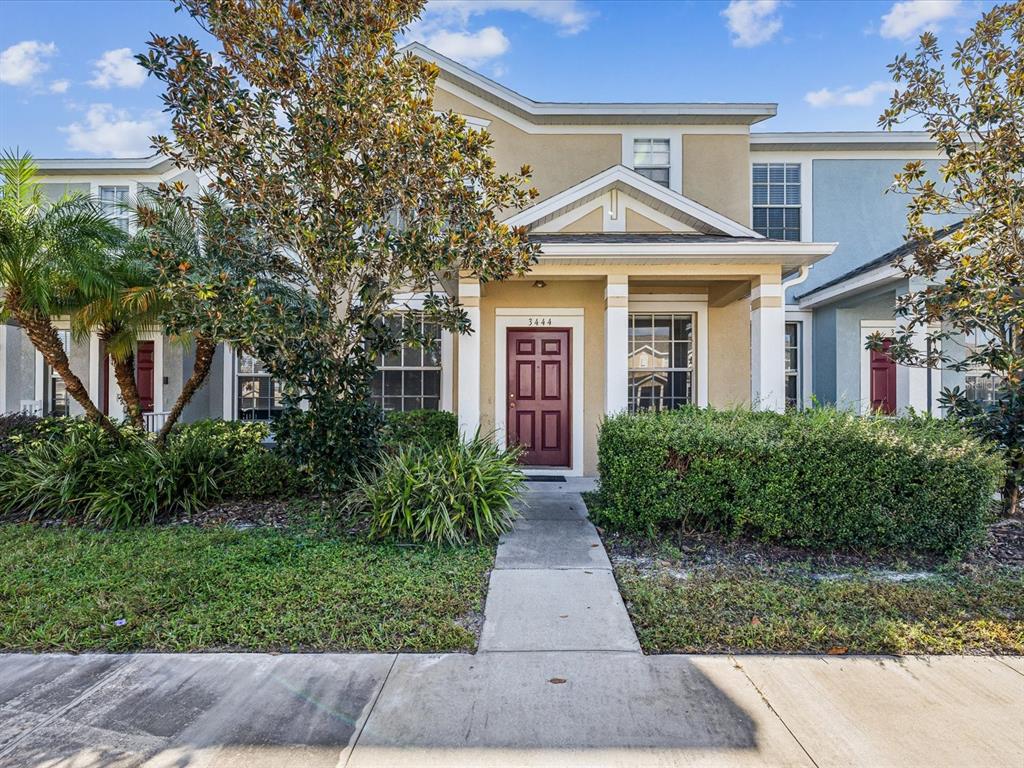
557,682
552,587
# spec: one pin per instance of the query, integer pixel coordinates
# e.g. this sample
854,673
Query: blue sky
69,88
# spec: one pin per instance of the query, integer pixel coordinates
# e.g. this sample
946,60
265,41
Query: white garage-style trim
561,317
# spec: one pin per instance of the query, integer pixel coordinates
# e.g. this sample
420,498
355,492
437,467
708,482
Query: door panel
144,374
538,409
883,380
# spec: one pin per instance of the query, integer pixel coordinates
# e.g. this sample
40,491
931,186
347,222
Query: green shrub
86,476
820,478
431,428
250,470
447,494
15,427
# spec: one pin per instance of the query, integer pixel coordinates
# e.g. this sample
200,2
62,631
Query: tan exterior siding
558,160
729,354
716,173
588,294
637,222
590,222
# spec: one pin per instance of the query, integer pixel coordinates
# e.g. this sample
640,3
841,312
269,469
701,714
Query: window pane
760,194
432,383
776,173
793,173
413,383
776,195
392,383
760,173
412,356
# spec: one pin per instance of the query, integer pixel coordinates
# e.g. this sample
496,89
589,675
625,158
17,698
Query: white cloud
911,17
847,96
22,62
752,22
109,132
471,48
117,68
60,86
568,15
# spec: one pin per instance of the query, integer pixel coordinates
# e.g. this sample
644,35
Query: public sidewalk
558,681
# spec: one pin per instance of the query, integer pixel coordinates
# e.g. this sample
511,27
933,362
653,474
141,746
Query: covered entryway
539,413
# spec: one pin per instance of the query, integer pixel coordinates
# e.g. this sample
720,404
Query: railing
31,407
154,420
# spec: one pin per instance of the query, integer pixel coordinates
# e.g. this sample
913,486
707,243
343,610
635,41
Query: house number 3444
540,321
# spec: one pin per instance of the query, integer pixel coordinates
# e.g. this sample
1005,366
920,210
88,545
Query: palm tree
175,232
51,256
126,305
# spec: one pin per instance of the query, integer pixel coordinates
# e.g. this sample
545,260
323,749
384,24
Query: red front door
883,380
538,394
144,374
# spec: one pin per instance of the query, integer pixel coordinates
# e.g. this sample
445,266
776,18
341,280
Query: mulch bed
1003,547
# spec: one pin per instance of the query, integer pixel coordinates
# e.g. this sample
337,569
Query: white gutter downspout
803,274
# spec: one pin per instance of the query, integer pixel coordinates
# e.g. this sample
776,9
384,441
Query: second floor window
652,158
409,378
776,197
115,201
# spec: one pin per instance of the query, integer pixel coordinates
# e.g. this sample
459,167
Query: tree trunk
124,373
43,335
205,349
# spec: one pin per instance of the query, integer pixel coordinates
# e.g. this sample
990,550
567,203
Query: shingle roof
889,257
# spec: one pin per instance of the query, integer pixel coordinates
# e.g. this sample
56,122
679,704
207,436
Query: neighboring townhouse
684,259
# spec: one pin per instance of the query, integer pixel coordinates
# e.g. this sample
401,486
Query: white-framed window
115,201
55,393
794,381
980,385
653,158
775,189
409,378
259,394
661,360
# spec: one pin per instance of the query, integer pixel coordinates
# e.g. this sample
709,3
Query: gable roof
674,113
887,259
619,177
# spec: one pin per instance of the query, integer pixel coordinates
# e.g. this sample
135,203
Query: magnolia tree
323,137
974,277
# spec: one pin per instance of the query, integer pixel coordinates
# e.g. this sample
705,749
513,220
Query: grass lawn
187,589
779,609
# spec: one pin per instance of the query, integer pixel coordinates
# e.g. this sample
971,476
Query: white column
917,378
447,370
616,344
469,361
767,346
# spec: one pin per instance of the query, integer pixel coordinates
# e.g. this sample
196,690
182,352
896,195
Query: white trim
825,141
564,317
469,367
882,275
713,252
95,368
750,111
806,319
619,175
675,152
682,303
229,405
562,221
447,370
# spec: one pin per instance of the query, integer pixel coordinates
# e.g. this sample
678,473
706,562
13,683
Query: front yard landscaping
182,588
705,594
809,532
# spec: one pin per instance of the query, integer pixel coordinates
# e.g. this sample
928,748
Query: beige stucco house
655,286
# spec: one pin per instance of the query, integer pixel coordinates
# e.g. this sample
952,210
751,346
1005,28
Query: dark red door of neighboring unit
538,394
883,380
144,374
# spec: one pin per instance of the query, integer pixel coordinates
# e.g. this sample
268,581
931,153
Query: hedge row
819,478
